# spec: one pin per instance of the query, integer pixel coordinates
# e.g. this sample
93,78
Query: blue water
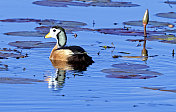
91,90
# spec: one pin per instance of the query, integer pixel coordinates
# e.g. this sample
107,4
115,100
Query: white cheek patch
54,32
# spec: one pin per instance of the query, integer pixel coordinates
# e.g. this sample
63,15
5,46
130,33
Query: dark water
29,83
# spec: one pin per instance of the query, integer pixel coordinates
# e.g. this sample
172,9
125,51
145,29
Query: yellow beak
48,35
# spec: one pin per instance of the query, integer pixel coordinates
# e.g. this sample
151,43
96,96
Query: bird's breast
61,54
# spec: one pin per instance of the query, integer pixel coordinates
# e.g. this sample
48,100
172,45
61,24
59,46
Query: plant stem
145,32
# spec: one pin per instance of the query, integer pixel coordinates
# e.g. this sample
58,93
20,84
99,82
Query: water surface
27,88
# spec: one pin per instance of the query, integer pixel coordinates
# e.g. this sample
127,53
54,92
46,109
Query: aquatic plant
145,21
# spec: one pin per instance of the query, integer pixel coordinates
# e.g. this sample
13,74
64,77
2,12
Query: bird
69,54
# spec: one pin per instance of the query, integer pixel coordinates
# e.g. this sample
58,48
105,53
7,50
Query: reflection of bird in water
65,58
62,65
70,54
58,80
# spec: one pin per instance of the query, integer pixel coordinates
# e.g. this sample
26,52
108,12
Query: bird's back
79,55
74,49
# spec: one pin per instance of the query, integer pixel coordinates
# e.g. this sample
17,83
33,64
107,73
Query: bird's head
59,34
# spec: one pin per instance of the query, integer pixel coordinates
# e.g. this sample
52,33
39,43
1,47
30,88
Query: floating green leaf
59,3
32,44
68,29
6,53
161,38
63,23
14,80
135,40
20,20
130,66
171,15
11,55
26,34
113,4
130,71
151,23
83,3
164,38
10,50
23,20
127,32
69,26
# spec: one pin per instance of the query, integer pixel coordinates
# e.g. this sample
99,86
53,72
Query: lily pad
130,71
143,58
161,38
11,53
20,20
63,23
164,38
48,22
10,50
23,20
68,29
59,3
42,31
151,23
32,44
14,80
171,15
127,32
45,30
26,34
130,66
94,0
135,40
69,26
83,3
113,4
169,42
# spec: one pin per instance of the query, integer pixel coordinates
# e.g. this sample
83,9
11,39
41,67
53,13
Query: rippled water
29,83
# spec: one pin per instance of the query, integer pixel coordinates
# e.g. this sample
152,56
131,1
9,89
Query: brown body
61,54
72,55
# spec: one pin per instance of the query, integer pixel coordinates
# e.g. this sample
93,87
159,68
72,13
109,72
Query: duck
69,54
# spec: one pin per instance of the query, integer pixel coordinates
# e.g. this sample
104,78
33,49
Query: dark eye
54,30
